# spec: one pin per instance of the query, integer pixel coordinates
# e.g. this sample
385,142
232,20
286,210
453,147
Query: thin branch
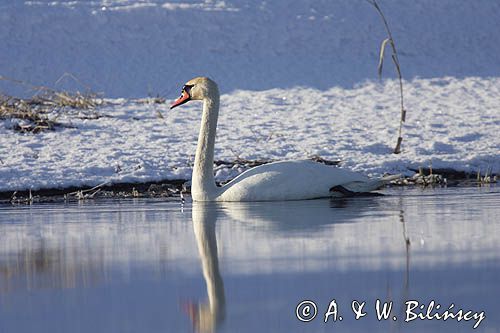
395,60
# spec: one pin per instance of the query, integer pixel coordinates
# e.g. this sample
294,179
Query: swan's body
291,180
288,180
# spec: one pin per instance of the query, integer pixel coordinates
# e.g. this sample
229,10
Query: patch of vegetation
41,111
446,177
242,162
165,189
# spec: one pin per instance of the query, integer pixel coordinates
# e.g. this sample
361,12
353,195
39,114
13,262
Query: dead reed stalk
395,60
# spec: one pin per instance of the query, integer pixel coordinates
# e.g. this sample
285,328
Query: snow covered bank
132,48
451,123
297,78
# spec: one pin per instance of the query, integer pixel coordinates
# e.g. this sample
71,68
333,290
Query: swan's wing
288,180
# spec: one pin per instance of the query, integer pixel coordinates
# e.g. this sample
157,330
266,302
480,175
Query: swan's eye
187,88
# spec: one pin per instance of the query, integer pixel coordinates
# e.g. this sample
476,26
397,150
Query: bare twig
395,60
86,194
253,163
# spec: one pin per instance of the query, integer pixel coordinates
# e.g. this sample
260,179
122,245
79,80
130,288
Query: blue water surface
151,265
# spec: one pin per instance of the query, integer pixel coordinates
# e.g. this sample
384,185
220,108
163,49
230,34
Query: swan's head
196,89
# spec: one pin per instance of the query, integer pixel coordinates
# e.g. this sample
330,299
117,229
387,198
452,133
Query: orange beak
185,97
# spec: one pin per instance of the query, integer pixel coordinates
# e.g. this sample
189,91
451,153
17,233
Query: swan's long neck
203,182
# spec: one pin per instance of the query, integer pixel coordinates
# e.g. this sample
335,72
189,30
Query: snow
455,127
134,48
298,79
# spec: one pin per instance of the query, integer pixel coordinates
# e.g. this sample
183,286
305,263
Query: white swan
287,180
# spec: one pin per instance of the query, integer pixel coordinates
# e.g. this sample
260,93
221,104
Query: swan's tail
356,188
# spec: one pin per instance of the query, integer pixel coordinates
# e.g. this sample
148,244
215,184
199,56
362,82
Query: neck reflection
206,317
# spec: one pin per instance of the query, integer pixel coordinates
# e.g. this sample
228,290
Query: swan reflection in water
300,216
95,257
277,217
206,317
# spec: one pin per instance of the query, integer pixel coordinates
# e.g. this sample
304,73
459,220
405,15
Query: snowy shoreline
298,79
172,188
451,124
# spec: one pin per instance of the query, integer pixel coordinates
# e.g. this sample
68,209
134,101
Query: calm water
156,266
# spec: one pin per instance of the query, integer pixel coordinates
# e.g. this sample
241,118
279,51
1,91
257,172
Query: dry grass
244,163
41,111
16,108
488,177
